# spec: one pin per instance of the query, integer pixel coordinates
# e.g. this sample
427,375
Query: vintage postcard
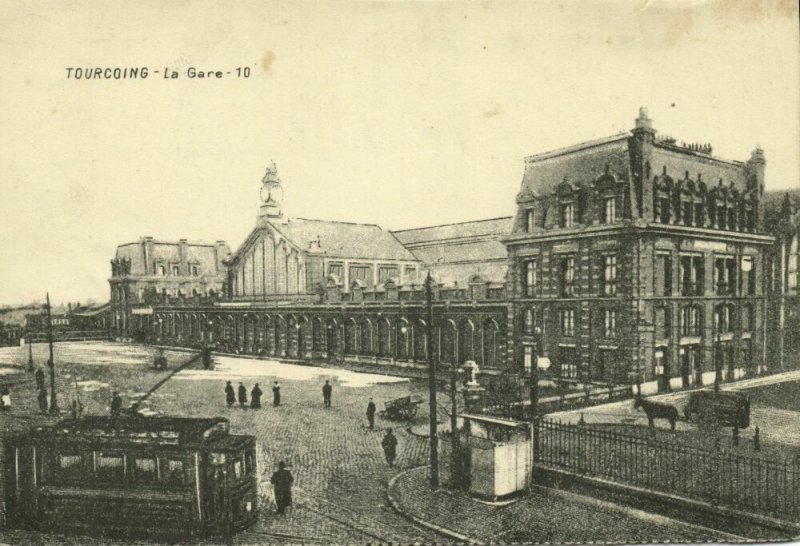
399,272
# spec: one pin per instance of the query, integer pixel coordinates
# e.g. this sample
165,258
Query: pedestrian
42,397
389,444
5,398
76,410
255,397
39,378
371,414
282,481
276,394
116,405
230,396
756,440
327,390
242,396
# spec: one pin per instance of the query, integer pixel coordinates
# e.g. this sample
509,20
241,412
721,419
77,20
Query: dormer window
161,270
610,210
567,215
529,220
176,270
195,271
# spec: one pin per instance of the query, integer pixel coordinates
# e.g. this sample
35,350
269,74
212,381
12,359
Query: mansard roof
578,164
207,255
343,239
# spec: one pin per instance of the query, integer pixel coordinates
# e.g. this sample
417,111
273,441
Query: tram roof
136,429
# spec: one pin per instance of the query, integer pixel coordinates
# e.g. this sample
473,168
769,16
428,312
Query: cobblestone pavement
338,465
542,517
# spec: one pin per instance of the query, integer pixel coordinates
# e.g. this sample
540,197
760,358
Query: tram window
110,466
172,471
69,466
145,469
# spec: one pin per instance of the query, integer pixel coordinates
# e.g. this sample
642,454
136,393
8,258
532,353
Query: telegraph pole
30,352
432,382
53,403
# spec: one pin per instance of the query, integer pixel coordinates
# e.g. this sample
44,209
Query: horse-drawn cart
401,409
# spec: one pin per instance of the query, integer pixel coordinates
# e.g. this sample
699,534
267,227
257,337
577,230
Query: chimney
641,148
147,249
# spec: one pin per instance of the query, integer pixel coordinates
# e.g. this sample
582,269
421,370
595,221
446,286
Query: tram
155,477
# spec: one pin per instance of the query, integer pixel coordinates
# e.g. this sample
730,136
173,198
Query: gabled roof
444,232
343,239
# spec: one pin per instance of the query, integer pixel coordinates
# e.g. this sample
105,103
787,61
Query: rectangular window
144,469
337,270
610,214
161,270
529,220
692,275
362,273
568,322
610,326
691,321
195,271
387,272
567,215
527,360
725,275
530,277
663,276
664,210
410,274
140,295
172,471
567,276
176,270
110,466
688,210
699,214
609,275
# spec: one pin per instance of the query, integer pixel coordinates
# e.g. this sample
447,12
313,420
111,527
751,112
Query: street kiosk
501,455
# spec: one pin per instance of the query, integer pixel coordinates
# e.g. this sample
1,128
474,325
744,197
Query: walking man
255,397
389,444
42,397
371,414
282,481
116,405
276,394
230,396
39,378
327,390
242,396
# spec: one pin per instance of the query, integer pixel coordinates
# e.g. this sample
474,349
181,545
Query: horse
655,410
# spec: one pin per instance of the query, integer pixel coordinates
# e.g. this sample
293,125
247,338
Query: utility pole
53,403
534,393
432,382
30,352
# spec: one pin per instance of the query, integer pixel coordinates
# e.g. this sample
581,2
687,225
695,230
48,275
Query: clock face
271,193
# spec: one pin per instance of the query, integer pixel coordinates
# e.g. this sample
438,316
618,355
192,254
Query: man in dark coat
230,396
116,405
255,397
282,481
389,444
276,394
327,390
42,397
371,414
242,396
39,378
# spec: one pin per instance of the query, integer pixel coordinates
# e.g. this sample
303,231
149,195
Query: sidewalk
543,516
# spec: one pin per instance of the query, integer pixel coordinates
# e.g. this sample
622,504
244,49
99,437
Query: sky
403,114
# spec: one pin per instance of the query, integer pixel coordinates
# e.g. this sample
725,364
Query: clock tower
271,195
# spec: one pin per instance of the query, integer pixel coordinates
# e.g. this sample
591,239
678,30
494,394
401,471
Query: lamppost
53,402
30,353
534,390
434,460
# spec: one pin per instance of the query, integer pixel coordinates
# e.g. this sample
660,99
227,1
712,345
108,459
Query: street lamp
434,460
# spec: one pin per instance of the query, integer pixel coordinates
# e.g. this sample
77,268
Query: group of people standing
240,395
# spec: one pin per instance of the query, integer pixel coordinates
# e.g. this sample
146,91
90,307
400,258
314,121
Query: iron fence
723,479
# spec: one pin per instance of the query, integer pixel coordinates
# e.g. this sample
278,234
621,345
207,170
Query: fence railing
725,479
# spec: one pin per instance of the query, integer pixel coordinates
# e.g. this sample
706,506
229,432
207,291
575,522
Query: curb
635,512
441,530
790,528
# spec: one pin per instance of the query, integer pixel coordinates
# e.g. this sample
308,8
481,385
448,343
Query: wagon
401,409
727,409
